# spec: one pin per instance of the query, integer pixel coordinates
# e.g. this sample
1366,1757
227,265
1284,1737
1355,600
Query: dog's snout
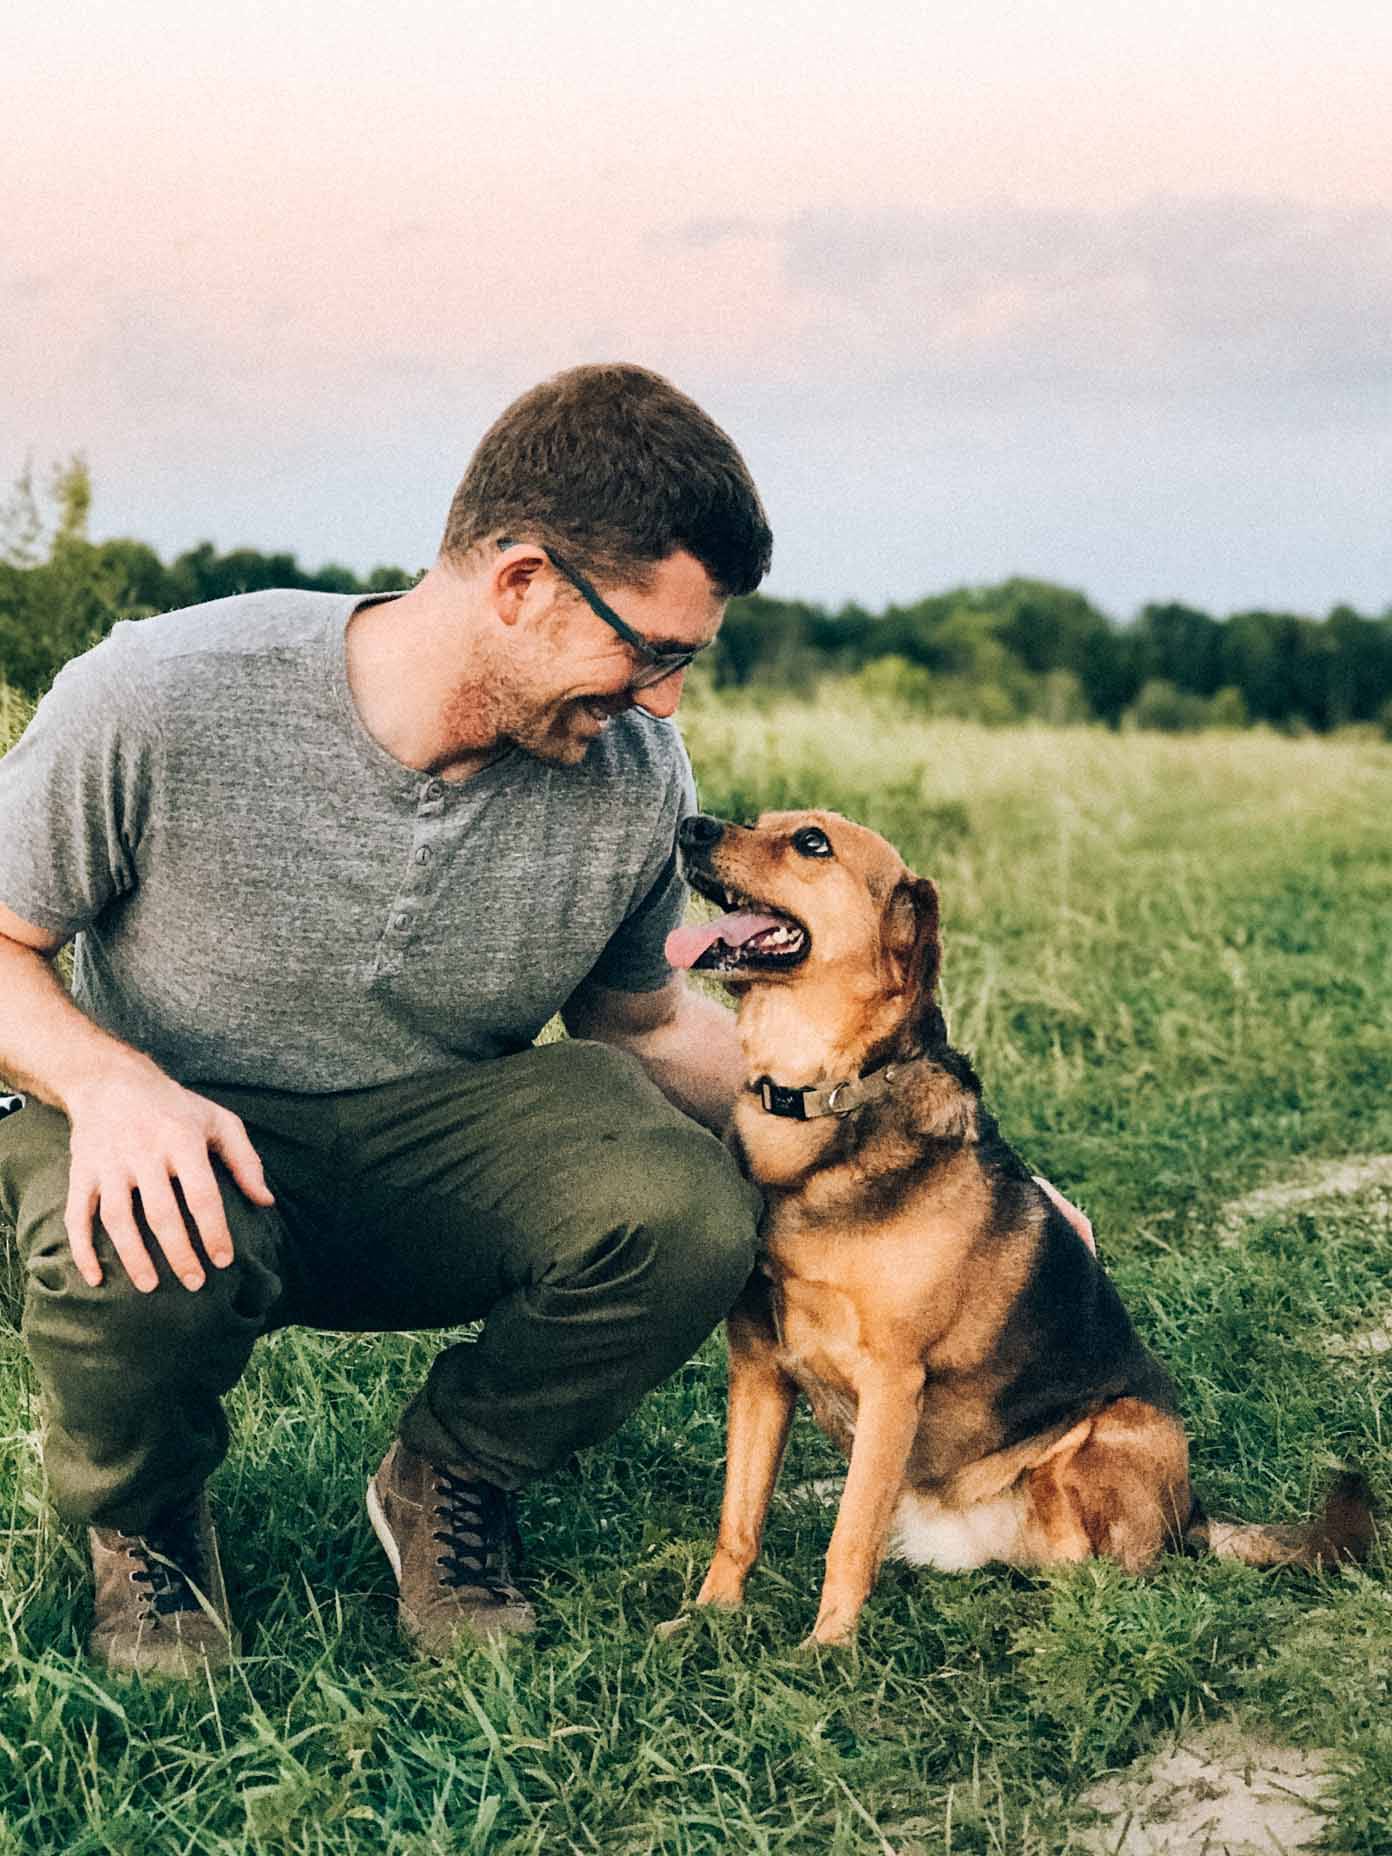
699,832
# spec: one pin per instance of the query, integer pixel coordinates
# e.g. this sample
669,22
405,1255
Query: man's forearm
48,1047
695,1059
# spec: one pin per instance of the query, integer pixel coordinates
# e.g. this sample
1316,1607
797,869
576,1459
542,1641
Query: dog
951,1330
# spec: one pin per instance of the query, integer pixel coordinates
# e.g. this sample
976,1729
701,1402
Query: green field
1172,960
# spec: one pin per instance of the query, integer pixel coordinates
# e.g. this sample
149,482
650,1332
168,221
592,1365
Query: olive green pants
599,1234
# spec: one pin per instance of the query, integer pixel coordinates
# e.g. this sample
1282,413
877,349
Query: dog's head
811,900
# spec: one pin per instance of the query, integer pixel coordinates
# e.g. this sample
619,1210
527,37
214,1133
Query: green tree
1359,666
1182,645
1047,627
1159,705
59,592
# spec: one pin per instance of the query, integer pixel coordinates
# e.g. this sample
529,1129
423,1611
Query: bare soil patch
1371,1342
1351,1177
1222,1793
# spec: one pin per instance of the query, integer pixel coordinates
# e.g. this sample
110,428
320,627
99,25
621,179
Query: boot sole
183,1663
386,1539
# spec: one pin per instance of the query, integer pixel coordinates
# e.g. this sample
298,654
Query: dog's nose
699,832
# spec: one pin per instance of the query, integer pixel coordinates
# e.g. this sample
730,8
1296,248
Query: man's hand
1080,1221
143,1132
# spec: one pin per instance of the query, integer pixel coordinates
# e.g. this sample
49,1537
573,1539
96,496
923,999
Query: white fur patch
925,1533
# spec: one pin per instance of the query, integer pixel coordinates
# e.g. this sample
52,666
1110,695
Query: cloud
27,284
1169,294
700,234
1133,396
407,232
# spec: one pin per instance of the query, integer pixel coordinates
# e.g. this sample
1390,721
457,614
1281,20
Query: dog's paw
833,1635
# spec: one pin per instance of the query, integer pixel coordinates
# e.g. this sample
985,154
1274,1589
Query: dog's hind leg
762,1397
1122,1492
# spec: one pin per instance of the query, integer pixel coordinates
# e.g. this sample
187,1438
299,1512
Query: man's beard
499,711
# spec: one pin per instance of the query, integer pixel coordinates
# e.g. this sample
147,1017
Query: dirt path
1352,1176
1222,1793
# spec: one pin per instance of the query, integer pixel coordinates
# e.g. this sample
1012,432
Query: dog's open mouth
747,935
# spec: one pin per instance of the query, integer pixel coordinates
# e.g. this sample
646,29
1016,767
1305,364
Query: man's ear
911,937
510,580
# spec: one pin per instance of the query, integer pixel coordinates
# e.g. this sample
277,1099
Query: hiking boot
452,1541
161,1605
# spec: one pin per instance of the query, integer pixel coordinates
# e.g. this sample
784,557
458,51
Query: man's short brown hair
615,469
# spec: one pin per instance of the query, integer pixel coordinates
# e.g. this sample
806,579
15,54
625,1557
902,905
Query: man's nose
661,699
699,832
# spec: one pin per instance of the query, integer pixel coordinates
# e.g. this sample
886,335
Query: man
328,865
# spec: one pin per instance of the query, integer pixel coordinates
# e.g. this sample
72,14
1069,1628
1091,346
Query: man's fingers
118,1218
165,1219
1080,1221
158,1139
77,1220
205,1207
230,1139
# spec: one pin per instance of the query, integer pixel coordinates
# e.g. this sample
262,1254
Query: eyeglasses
657,665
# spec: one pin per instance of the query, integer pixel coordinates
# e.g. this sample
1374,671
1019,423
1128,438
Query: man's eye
809,842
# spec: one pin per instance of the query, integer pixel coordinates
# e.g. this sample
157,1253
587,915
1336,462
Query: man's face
568,673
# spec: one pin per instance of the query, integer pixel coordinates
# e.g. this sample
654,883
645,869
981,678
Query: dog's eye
809,842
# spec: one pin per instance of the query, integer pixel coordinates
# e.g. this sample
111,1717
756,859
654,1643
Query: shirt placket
416,891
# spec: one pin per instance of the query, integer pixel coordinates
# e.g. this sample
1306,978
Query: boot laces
479,1534
171,1559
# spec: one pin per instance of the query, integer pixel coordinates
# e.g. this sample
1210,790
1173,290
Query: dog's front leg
762,1397
887,1415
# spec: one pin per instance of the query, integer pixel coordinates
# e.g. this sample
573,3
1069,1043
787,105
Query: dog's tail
1344,1532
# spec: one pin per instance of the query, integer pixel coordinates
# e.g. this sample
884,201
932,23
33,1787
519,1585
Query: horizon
830,608
1099,298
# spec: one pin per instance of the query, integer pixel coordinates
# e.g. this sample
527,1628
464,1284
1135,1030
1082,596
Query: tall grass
15,711
1176,946
1173,962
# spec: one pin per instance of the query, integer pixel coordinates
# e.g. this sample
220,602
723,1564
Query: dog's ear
911,939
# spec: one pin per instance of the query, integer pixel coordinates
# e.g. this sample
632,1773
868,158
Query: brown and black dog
948,1326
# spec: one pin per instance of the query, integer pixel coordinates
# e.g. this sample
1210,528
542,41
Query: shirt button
403,922
423,854
432,790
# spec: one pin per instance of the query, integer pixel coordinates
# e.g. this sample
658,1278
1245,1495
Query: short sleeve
634,960
74,792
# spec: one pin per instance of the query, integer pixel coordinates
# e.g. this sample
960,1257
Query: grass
1173,961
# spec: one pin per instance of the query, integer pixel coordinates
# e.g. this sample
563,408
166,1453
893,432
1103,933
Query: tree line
1017,650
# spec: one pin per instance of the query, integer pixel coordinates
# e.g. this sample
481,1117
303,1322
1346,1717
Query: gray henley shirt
262,895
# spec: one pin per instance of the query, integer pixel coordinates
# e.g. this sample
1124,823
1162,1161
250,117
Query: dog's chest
837,1313
820,1346
846,1305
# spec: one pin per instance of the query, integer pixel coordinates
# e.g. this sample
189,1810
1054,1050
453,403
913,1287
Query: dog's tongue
685,945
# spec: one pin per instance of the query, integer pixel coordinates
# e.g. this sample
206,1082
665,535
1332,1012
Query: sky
1096,291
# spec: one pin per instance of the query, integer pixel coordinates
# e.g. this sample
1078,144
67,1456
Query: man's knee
242,1292
60,1307
148,1337
669,1204
712,1229
169,1327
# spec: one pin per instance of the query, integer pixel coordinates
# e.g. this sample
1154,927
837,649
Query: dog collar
812,1101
